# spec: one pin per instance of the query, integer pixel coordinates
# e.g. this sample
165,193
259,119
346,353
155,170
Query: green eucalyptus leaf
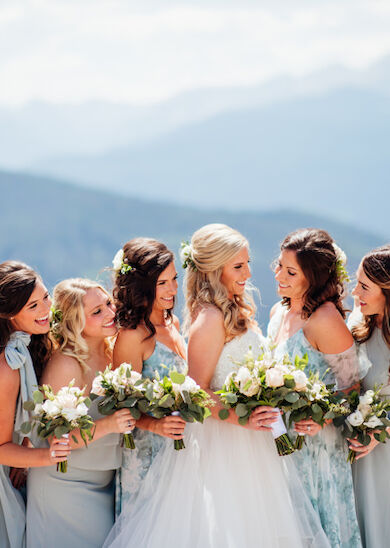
223,414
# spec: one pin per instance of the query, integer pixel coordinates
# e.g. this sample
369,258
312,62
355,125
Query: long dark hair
316,255
17,282
376,266
135,290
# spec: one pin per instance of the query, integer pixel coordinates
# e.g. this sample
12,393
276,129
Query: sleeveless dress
75,509
12,508
322,462
136,462
226,489
371,473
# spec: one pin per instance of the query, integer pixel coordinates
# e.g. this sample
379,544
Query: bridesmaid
24,350
310,319
371,328
77,508
149,339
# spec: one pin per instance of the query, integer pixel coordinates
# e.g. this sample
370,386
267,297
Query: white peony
189,385
300,380
274,377
315,391
373,422
355,419
243,377
118,260
367,398
38,409
97,386
51,408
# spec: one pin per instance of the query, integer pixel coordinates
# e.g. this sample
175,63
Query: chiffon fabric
136,462
12,507
371,473
322,462
75,509
227,489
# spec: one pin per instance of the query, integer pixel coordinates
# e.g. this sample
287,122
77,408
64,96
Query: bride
228,488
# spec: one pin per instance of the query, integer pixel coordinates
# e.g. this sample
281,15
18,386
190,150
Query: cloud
121,51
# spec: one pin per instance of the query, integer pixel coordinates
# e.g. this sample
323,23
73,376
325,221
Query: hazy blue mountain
326,154
34,132
64,230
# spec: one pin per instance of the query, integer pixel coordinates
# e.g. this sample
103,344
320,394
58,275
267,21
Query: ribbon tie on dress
18,356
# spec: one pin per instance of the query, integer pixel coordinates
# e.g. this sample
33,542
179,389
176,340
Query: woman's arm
205,344
12,454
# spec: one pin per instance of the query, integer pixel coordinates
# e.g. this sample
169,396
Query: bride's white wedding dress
228,488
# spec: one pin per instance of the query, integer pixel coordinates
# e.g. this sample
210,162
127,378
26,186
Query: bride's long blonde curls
213,246
67,332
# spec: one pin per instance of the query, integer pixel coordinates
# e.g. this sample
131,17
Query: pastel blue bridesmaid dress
322,462
136,463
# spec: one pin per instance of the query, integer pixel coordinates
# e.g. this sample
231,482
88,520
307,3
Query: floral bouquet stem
128,440
351,456
300,440
178,444
282,441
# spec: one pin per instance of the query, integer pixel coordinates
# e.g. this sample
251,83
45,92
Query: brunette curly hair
376,266
317,257
135,290
17,282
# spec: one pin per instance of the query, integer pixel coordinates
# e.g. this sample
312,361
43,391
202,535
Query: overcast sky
145,51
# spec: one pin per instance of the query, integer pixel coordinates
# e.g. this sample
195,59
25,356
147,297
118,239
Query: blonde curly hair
67,331
212,247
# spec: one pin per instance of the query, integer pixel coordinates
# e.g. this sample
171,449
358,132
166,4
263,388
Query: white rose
189,385
355,419
97,386
315,391
300,380
373,422
38,409
364,409
185,252
274,377
66,400
51,408
158,390
243,377
70,413
367,398
82,409
118,260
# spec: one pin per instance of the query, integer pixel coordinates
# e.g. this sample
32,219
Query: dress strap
18,356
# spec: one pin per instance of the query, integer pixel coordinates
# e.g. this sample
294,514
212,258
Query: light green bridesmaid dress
75,509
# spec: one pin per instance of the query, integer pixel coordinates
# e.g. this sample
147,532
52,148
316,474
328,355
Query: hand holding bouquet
58,414
120,388
180,395
363,417
264,381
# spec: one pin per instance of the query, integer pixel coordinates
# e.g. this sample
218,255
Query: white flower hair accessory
186,255
119,265
341,261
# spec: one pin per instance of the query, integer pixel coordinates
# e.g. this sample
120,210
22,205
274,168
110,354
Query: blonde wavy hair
67,330
213,246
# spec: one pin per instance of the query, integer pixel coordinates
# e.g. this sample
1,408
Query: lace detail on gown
234,351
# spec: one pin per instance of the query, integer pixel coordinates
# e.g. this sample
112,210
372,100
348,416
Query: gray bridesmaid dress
371,474
12,508
75,509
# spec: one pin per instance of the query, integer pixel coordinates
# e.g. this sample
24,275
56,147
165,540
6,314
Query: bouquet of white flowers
120,388
58,414
265,381
362,415
178,394
313,402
